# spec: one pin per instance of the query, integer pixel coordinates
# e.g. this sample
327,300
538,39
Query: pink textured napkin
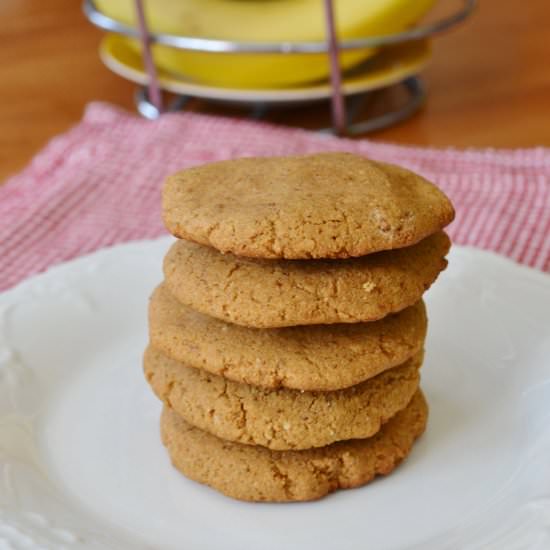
99,184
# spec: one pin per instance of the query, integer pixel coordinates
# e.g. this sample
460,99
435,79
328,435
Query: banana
263,21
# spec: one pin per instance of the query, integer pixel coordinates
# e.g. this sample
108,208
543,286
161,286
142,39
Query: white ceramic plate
81,465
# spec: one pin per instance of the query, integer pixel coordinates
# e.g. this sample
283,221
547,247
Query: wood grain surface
489,81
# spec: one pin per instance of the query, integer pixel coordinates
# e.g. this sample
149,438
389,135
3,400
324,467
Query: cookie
279,293
330,205
316,357
255,473
280,419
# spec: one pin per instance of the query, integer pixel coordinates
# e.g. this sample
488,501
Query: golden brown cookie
330,205
317,357
280,419
255,473
279,293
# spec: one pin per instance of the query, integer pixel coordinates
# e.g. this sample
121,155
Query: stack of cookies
287,337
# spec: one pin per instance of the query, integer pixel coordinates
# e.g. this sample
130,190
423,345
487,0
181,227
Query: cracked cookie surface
278,293
315,357
255,473
329,205
280,419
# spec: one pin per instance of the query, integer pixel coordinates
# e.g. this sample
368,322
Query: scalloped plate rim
152,249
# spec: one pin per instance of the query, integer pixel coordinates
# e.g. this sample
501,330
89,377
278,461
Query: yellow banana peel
263,21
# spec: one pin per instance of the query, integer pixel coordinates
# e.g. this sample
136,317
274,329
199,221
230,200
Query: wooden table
489,80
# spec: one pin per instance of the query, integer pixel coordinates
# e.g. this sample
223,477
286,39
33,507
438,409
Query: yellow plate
391,65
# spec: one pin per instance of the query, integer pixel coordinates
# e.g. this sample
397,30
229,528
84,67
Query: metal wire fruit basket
149,100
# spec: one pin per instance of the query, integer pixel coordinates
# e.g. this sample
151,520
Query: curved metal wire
227,46
416,96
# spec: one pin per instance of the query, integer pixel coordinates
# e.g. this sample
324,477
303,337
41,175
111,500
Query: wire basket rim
213,45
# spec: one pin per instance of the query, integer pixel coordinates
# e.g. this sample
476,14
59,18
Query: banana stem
338,107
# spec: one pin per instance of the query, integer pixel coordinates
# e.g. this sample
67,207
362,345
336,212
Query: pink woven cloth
99,184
